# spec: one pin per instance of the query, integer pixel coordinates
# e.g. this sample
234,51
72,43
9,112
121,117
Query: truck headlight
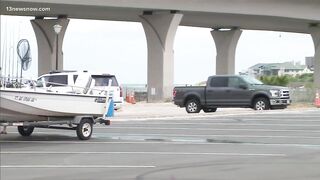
275,93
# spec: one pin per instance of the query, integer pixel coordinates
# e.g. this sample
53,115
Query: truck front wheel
261,104
193,106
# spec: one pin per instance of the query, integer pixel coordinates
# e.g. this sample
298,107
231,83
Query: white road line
187,135
277,119
233,124
73,166
143,153
215,129
302,119
177,117
164,142
97,134
211,135
183,117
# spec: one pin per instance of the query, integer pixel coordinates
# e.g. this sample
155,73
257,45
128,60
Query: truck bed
183,91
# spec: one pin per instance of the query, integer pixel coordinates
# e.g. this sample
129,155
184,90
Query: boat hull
28,105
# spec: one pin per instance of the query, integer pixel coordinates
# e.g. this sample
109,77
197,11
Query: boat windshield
252,80
53,80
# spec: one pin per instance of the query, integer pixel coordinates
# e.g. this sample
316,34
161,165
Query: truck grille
285,93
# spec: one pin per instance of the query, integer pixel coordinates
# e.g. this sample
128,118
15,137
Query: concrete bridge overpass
160,19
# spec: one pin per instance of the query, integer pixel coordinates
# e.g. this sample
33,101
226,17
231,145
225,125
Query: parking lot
229,144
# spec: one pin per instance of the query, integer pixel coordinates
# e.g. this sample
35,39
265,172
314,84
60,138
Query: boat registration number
25,98
100,100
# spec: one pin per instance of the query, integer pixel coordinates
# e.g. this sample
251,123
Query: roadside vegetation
304,80
301,86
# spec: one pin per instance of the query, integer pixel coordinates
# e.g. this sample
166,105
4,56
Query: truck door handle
210,91
228,91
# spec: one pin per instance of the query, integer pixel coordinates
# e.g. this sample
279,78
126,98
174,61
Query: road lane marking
234,124
191,142
243,120
98,134
215,129
143,153
209,135
183,117
179,117
73,166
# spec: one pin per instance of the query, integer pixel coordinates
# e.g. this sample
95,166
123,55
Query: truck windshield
252,80
101,80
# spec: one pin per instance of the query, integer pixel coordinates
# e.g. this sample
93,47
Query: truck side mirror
243,86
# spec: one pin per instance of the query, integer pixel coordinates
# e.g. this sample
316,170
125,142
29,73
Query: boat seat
92,84
82,84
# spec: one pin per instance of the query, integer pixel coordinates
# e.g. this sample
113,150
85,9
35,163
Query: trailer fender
77,119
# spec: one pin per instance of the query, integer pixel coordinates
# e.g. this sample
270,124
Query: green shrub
275,80
306,79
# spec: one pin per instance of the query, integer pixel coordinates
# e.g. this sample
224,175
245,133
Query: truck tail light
174,93
120,91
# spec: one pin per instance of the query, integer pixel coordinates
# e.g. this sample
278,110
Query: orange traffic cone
317,100
128,98
133,100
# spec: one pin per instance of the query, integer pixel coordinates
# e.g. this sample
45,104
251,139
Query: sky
120,48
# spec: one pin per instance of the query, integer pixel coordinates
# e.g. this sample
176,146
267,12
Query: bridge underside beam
49,43
160,30
226,44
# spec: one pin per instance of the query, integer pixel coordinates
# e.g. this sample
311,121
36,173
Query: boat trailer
83,125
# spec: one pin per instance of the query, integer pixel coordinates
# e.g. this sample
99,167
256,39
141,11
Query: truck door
227,91
217,91
239,93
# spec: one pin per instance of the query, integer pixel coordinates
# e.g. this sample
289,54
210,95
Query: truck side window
242,82
234,82
219,82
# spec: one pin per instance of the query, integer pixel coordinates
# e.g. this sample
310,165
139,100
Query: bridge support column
50,55
160,30
315,33
226,43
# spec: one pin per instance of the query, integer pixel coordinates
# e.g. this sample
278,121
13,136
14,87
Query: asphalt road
260,145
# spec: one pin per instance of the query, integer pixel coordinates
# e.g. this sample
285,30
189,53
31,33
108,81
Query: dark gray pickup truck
231,91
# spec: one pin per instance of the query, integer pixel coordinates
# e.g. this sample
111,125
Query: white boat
17,104
37,104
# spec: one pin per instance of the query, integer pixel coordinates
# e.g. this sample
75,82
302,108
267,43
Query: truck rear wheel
193,106
25,130
261,103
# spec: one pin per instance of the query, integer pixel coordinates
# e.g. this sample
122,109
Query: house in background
310,63
278,69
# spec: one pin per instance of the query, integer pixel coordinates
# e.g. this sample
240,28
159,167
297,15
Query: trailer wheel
84,129
25,130
193,106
